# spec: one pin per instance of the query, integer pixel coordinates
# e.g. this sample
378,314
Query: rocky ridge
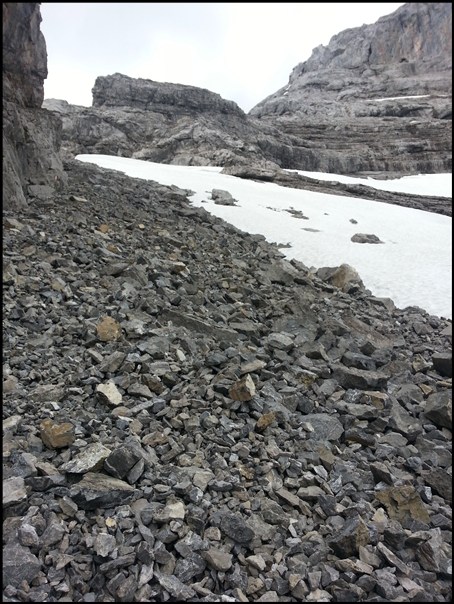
339,112
188,416
166,123
378,98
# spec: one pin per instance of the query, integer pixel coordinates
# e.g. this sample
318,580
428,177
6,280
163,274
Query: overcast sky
242,51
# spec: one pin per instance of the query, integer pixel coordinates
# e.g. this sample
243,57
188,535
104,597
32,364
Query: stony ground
187,416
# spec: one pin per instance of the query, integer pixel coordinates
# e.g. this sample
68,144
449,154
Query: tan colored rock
103,228
243,390
403,502
56,436
108,329
264,421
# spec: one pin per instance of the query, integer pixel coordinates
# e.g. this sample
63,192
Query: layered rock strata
337,114
378,98
167,123
31,135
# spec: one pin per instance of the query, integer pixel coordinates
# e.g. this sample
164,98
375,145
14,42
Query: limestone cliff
337,113
162,122
31,135
334,105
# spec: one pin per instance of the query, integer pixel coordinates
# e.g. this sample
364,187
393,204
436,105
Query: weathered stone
90,459
403,502
55,435
243,390
108,329
109,393
365,238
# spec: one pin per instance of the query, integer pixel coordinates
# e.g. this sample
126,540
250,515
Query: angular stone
104,544
28,537
120,461
217,559
442,362
236,528
98,491
19,565
325,427
243,389
108,329
392,559
90,459
359,378
440,481
109,393
172,511
280,341
175,587
439,409
352,535
56,436
403,422
14,491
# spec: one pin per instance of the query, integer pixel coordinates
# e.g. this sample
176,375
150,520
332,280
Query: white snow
413,266
439,185
397,98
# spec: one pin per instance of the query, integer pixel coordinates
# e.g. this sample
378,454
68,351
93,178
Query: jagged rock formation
332,104
327,119
169,123
31,163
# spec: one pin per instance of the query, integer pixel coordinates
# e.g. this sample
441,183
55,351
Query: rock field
188,416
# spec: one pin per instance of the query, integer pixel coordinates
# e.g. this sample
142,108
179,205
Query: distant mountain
330,117
333,101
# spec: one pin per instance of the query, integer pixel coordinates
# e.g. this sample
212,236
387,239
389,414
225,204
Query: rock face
329,118
333,104
31,135
168,123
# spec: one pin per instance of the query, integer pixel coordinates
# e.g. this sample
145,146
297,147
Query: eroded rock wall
31,135
333,106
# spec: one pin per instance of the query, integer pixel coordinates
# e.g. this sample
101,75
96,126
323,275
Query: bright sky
242,51
413,266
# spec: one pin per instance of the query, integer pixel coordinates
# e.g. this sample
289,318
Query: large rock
31,135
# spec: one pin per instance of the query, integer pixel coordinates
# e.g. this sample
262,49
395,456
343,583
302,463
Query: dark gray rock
19,564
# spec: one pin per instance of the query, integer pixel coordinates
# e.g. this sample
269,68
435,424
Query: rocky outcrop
31,135
339,109
168,123
331,117
288,178
189,416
